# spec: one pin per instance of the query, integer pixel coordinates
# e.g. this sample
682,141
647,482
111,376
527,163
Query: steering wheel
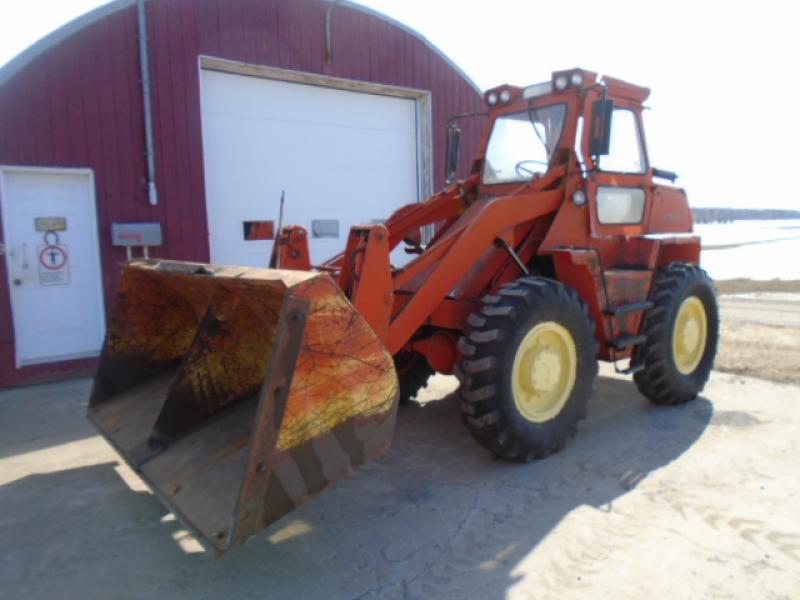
523,171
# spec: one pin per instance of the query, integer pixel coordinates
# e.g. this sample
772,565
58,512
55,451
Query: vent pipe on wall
328,44
144,63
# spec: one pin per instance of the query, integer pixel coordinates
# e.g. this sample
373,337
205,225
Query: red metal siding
78,104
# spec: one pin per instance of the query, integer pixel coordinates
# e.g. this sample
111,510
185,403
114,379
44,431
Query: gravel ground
760,329
746,286
691,502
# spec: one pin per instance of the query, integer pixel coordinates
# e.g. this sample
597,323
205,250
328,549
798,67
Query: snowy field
751,249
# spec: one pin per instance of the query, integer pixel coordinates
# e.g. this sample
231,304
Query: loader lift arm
447,261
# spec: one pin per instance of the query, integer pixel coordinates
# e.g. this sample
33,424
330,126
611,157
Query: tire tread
660,381
478,372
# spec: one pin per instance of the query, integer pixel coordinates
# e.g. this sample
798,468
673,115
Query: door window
620,205
626,154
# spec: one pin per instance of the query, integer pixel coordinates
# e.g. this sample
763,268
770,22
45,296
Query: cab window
522,144
626,154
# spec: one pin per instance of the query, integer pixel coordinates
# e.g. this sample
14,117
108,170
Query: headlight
505,96
492,99
561,83
577,78
579,197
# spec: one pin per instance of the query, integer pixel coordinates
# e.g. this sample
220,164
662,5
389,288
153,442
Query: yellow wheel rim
543,374
690,335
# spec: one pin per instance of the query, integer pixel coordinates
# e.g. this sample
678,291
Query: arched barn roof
52,39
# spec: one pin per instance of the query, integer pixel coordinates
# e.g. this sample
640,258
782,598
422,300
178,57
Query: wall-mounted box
136,234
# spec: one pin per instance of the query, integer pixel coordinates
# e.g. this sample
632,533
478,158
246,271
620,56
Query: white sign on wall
53,265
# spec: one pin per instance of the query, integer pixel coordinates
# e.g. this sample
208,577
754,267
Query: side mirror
452,153
664,174
600,141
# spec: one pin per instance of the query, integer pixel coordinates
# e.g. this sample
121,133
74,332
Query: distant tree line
727,215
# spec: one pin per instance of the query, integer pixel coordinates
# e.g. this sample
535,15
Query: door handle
18,282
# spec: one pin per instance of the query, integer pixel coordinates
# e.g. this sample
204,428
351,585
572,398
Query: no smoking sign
53,265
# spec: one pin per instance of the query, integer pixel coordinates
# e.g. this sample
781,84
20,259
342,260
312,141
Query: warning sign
53,265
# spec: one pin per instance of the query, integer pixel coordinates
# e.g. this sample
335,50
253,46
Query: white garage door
342,157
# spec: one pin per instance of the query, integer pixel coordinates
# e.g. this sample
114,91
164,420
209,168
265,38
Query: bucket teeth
237,393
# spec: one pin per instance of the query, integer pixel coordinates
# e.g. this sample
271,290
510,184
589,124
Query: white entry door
343,157
53,263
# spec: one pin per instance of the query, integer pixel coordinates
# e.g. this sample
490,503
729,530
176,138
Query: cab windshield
522,144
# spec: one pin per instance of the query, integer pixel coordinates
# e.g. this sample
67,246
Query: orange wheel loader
238,393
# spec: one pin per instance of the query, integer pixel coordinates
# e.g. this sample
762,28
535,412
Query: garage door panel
243,98
339,155
306,183
284,144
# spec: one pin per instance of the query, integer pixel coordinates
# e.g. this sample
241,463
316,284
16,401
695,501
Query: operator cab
528,127
584,123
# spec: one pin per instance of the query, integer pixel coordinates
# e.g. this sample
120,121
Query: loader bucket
239,393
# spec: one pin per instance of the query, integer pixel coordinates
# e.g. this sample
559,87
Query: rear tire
413,372
682,332
528,368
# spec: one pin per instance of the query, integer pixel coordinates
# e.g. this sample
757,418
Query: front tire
682,332
528,368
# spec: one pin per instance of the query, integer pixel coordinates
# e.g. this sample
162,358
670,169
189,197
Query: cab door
620,195
620,187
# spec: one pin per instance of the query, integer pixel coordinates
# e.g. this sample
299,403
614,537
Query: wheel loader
239,393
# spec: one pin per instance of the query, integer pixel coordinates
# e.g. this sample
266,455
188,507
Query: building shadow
435,517
44,415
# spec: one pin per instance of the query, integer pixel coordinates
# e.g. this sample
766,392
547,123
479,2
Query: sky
718,72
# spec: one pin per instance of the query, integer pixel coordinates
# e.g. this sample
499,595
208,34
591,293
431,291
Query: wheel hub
689,335
544,371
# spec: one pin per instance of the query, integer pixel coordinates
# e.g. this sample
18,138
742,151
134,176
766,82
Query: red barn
173,127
